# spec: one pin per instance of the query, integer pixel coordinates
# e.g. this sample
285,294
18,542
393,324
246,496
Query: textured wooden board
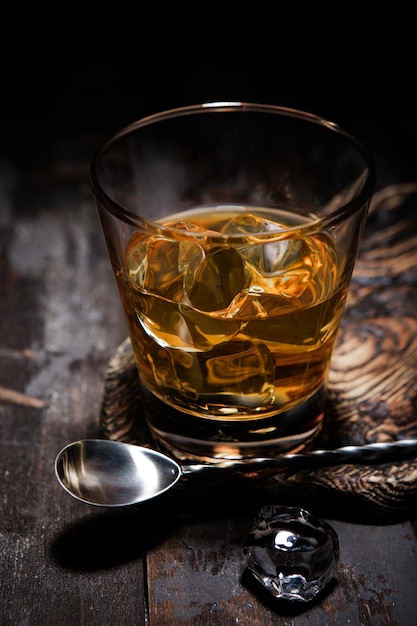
372,383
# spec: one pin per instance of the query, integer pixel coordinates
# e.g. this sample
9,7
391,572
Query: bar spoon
108,473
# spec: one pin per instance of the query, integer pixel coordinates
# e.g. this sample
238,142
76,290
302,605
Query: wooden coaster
372,383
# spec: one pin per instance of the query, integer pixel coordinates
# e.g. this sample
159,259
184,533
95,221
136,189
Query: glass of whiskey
232,230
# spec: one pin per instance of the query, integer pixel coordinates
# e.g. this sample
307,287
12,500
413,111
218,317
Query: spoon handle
365,454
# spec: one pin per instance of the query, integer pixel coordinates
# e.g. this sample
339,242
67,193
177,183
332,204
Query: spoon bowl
109,473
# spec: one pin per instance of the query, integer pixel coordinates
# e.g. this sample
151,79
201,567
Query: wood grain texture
199,578
372,382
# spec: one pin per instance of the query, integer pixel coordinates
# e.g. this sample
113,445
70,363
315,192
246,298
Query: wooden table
179,559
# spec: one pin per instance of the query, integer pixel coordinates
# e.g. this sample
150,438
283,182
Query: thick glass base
187,437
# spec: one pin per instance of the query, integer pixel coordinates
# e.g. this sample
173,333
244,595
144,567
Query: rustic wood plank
61,564
198,577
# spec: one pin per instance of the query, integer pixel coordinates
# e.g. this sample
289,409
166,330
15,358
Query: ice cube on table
292,553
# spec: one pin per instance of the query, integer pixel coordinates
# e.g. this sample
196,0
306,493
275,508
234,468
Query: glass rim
334,217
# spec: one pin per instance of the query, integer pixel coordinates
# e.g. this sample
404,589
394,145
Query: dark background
72,74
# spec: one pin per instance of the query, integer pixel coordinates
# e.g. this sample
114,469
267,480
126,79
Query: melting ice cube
219,280
163,266
292,553
266,257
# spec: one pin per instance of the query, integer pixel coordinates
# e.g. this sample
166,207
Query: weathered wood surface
177,560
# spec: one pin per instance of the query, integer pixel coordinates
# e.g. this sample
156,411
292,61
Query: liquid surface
236,327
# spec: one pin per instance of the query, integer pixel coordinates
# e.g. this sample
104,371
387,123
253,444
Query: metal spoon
113,474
